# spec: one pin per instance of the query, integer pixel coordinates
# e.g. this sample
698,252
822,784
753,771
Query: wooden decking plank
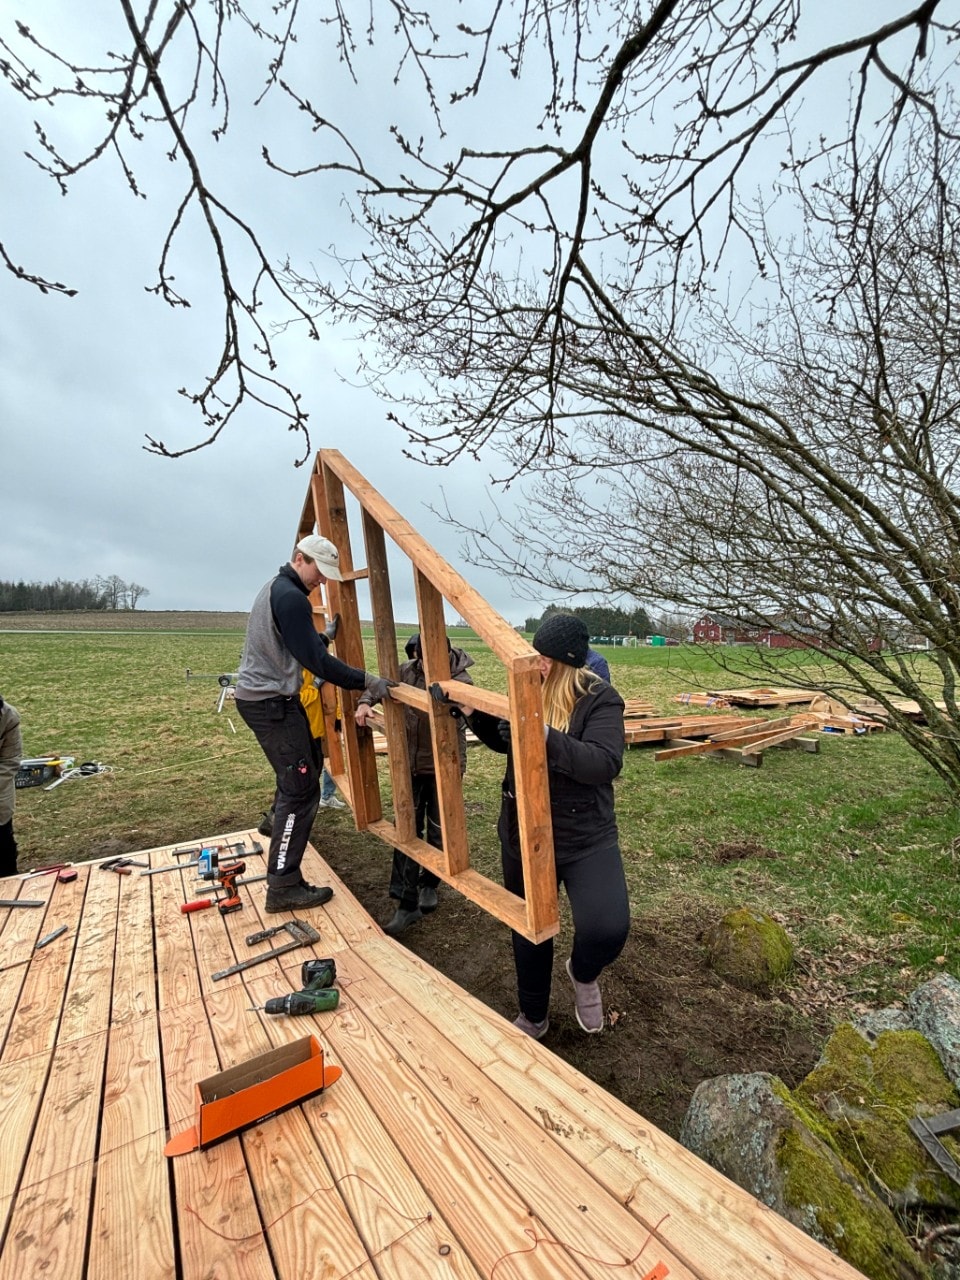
304,1217
42,994
132,1231
677,1188
49,1227
492,1222
344,913
59,1170
60,1164
21,928
66,977
580,1217
403,1228
178,981
22,1082
132,1223
86,1010
218,1222
134,993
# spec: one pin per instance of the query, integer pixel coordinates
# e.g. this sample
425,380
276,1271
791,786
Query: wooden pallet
764,697
453,1147
636,708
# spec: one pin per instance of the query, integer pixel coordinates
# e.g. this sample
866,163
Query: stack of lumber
661,728
834,717
764,697
869,707
746,740
637,708
702,700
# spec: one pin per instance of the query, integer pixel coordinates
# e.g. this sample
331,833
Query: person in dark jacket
583,726
598,664
11,753
413,887
281,640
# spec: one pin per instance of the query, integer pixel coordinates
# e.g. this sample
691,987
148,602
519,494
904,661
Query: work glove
379,686
445,700
329,633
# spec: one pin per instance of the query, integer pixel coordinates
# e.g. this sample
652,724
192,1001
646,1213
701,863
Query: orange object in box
253,1091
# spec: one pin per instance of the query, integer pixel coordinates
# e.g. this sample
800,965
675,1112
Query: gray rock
750,1128
935,1011
874,1023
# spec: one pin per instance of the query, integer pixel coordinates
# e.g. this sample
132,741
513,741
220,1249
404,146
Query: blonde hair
563,687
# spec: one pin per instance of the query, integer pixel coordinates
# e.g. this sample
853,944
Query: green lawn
854,847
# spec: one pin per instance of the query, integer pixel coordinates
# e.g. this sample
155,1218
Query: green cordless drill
317,995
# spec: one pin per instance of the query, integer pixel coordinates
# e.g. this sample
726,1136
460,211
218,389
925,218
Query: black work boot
428,899
403,918
266,823
295,897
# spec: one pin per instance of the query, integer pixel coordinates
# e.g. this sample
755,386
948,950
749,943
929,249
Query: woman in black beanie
583,719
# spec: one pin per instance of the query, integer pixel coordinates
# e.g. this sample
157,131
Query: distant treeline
60,596
602,620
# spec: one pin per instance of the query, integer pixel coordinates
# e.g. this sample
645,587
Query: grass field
854,848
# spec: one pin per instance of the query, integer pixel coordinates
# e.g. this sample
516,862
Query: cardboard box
253,1091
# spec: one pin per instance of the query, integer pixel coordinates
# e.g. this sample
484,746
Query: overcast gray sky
84,380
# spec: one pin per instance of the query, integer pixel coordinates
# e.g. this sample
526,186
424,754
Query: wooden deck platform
452,1146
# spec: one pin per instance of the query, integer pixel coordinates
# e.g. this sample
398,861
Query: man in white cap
281,640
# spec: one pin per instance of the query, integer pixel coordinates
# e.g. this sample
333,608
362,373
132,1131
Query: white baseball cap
324,553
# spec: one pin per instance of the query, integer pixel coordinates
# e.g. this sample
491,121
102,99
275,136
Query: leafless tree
616,294
114,591
811,487
135,593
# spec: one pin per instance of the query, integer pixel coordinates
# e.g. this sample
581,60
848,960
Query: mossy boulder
866,1093
749,950
751,1129
934,1010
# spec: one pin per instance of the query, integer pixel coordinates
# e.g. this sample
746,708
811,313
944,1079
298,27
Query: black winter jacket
582,764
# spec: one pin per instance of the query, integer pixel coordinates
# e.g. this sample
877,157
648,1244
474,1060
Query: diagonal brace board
353,761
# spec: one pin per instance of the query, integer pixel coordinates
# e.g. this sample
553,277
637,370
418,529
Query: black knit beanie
563,638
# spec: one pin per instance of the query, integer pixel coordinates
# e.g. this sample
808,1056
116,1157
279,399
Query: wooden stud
446,744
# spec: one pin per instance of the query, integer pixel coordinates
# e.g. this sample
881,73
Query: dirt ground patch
673,1022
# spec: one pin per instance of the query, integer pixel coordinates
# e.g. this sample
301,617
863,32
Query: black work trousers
597,890
8,850
281,727
407,877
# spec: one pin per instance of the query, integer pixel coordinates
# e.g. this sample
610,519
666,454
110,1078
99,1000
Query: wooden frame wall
352,761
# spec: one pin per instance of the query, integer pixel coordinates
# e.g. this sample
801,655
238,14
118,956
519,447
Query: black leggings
597,890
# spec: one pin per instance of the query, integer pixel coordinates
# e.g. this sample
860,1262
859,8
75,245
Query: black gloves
503,728
329,633
379,686
445,700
